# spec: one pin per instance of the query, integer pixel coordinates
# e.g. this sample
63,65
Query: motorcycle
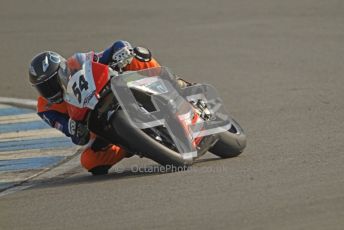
148,114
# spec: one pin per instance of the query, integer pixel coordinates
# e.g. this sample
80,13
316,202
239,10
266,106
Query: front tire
139,141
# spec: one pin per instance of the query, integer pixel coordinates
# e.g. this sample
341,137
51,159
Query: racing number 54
83,85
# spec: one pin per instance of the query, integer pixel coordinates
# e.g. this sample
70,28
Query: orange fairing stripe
100,75
75,113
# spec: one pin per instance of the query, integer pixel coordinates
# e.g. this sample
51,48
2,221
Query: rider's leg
99,160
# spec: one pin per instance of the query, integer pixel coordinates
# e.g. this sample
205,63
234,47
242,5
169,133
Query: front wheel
139,141
230,143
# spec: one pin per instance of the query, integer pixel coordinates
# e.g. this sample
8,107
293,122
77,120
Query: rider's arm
56,120
136,65
142,57
105,57
56,116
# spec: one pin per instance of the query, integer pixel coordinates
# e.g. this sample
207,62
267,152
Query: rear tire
230,143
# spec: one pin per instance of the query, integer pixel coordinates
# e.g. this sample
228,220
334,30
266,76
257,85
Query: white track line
26,103
30,134
4,106
19,118
47,173
30,153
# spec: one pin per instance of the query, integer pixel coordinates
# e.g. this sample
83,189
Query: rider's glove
79,132
123,57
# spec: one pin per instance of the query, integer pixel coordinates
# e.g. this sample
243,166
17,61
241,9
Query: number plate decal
81,89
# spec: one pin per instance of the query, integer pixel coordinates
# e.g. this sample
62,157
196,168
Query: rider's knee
88,159
101,161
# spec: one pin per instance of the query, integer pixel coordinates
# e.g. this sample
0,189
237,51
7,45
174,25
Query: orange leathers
89,158
43,105
136,65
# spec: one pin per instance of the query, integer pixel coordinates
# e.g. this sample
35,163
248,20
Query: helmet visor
50,89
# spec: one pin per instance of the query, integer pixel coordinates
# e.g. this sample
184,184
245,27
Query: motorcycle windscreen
171,106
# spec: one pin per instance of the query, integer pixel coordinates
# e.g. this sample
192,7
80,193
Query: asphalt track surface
277,64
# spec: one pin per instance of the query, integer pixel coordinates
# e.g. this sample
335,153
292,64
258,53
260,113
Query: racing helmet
43,75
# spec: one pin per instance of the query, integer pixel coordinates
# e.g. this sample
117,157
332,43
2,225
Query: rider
98,156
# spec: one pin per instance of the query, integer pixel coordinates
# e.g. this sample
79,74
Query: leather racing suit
97,157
